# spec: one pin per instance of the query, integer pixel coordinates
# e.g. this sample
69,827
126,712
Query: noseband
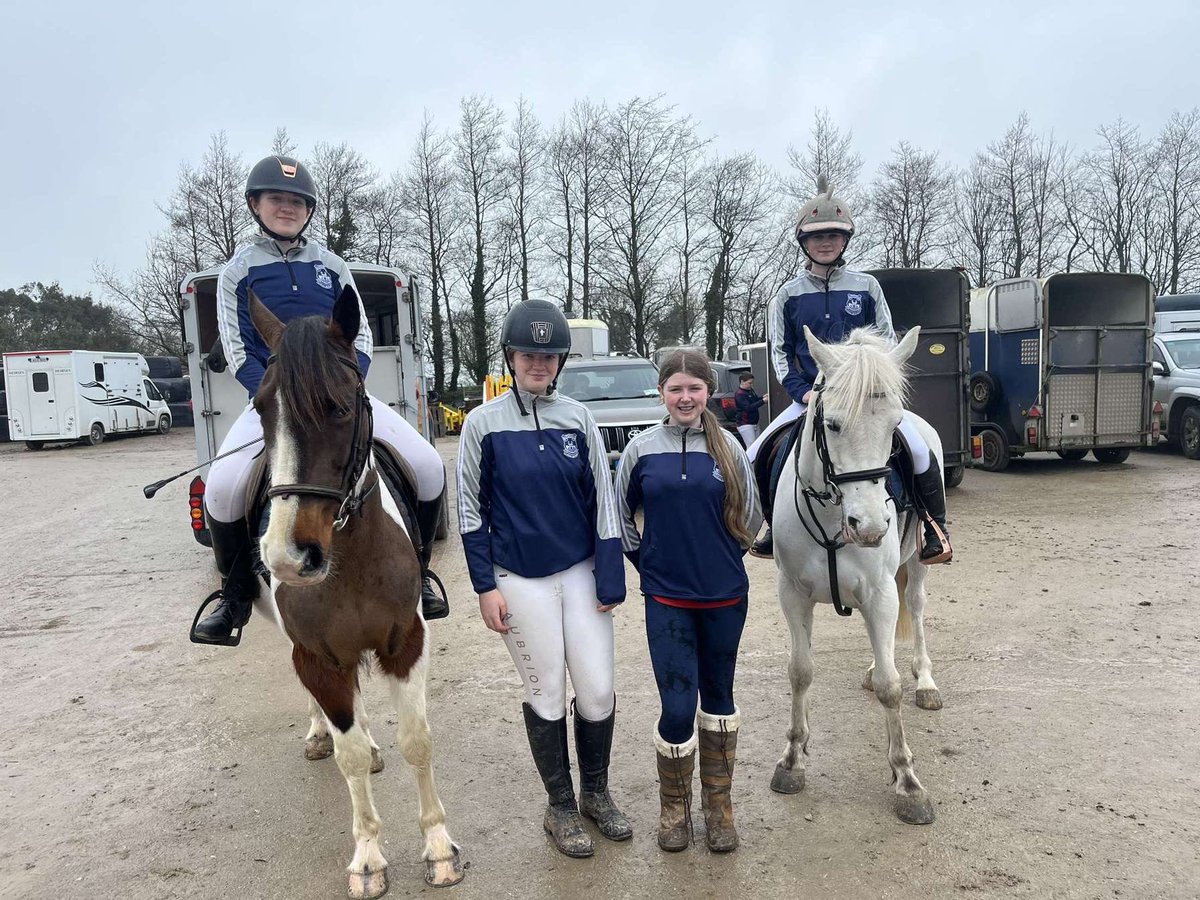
832,495
350,496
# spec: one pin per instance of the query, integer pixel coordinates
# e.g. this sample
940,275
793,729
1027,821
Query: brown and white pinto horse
345,578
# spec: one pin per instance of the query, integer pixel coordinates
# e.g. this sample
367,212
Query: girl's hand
807,397
607,608
494,610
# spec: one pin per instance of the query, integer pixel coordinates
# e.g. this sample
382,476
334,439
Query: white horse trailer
396,376
69,395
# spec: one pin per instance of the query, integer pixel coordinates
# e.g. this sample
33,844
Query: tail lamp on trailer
977,447
1031,425
196,503
1156,421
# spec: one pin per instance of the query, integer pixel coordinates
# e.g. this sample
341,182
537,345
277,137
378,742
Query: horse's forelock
863,368
312,377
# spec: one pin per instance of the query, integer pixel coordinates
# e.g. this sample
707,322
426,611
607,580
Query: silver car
620,391
1177,387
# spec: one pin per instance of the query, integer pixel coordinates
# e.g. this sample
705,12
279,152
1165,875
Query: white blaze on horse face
279,555
866,514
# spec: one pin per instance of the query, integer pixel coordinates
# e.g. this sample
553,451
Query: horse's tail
904,620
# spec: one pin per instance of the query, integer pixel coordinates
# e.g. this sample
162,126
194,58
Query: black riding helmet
281,173
535,326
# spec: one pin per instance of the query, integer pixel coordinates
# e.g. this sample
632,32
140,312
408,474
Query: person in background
748,405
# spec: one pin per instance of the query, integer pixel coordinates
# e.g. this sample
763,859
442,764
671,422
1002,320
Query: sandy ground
1064,639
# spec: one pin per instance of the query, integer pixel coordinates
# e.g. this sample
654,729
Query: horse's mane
312,375
863,369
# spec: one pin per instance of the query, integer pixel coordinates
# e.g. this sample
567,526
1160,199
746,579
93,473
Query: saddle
397,475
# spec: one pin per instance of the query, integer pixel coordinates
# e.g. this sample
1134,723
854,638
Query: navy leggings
693,651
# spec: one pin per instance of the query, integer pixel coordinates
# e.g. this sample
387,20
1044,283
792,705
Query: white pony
836,494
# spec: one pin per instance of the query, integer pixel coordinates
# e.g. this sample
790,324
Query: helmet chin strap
840,261
516,388
282,237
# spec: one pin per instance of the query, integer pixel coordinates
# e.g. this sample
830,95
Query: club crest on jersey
717,473
542,331
324,279
570,446
854,304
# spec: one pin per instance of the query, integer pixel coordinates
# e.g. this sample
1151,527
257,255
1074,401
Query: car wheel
1072,455
954,476
164,424
1189,432
35,445
1111,454
96,435
983,389
995,451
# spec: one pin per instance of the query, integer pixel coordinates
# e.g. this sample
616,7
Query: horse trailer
1177,312
396,375
57,396
936,300
1062,364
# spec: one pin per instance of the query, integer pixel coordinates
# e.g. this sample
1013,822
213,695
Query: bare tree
428,196
690,239
1116,182
482,186
281,144
343,178
644,146
1177,200
977,221
912,201
527,152
384,223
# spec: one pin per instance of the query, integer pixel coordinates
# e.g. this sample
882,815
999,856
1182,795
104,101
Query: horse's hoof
929,698
368,885
319,747
445,872
376,761
787,781
869,680
914,809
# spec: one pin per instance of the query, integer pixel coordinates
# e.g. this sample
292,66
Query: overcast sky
102,103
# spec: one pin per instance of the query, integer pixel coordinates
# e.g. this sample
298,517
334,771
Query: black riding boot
429,513
548,741
764,547
593,743
239,585
932,499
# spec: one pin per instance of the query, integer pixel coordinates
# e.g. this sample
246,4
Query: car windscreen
629,382
1185,354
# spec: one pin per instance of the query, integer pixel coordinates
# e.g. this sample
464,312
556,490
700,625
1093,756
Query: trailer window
41,382
99,369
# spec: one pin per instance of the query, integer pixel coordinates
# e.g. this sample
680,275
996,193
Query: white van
71,395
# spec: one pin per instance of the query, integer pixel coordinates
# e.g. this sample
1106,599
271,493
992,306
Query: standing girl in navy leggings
697,489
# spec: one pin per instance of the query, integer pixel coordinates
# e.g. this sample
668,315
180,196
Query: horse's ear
902,351
265,321
819,350
346,320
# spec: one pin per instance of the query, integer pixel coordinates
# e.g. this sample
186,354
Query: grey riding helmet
825,212
281,173
536,326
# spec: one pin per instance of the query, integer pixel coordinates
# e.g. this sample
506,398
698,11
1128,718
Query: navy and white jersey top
535,495
831,309
684,552
306,281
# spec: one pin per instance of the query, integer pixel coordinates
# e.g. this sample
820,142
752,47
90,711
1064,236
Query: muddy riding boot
593,744
239,586
434,605
932,500
548,741
718,748
764,547
676,766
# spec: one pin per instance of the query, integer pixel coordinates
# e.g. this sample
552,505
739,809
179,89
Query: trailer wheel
96,435
954,476
35,445
164,424
1189,432
1111,454
995,451
984,390
1072,455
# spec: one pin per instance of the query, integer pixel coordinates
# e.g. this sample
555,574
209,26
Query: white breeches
749,433
920,448
555,627
225,493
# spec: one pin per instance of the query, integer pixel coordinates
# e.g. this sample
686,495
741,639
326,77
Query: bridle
832,495
351,495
